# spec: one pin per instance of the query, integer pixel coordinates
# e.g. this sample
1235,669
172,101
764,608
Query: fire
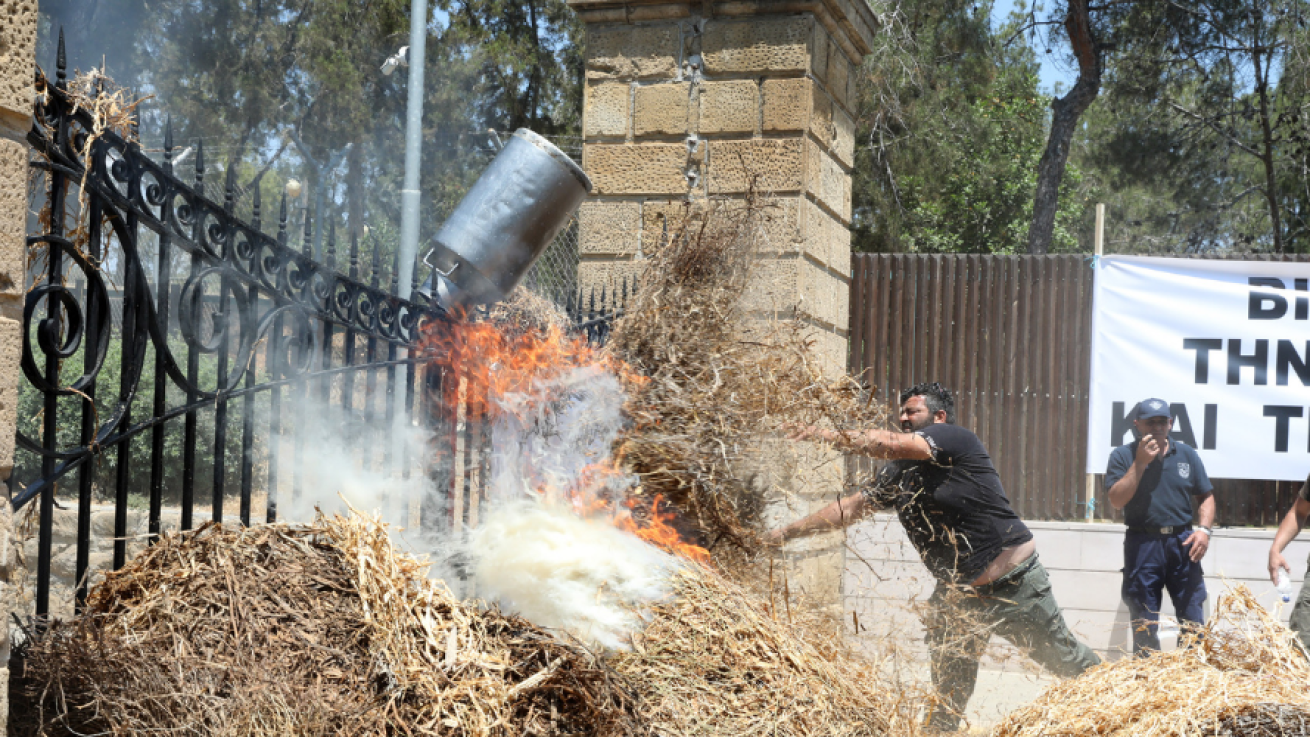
660,533
493,364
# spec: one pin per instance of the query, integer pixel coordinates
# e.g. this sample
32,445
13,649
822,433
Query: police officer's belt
1170,530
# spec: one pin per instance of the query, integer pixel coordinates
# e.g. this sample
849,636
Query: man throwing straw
950,501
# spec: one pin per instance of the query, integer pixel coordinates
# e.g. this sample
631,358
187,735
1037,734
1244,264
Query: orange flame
660,533
493,363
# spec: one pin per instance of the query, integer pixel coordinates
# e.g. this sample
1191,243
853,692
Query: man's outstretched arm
875,443
834,516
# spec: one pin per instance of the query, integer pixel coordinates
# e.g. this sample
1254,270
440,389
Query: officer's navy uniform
1159,519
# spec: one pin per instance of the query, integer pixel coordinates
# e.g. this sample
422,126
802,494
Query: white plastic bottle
1284,585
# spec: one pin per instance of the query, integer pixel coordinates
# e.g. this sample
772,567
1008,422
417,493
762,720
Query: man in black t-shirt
1153,480
950,501
1287,529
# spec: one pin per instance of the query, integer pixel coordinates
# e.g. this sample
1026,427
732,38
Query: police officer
1288,529
1154,479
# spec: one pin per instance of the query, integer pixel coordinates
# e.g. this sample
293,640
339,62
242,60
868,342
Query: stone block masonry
17,66
729,100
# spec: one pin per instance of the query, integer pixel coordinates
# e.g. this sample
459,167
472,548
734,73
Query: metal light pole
409,194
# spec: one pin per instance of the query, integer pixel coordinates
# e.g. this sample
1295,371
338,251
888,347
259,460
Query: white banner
1226,343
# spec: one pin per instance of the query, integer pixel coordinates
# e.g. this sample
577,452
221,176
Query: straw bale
1243,674
718,660
307,631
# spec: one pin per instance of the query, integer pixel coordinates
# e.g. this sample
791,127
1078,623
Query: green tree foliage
239,74
954,128
526,56
1200,142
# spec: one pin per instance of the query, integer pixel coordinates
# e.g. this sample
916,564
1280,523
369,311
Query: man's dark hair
937,397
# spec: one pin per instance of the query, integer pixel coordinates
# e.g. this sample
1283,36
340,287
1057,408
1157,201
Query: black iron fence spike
229,187
376,265
354,255
413,276
330,250
255,208
200,165
168,138
61,62
308,244
282,220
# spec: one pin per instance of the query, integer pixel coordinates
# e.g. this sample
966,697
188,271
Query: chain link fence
555,274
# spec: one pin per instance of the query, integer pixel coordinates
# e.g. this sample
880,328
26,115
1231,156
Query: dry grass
307,631
327,630
1244,675
717,660
721,377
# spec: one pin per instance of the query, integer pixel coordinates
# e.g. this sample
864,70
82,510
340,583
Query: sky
1051,72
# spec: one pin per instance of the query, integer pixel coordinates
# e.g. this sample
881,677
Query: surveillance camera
399,59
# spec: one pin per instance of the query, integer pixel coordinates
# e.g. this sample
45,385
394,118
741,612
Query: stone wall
693,103
17,65
885,579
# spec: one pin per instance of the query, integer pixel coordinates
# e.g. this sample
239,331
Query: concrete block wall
884,578
691,106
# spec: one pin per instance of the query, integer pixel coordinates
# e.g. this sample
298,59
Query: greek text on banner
1226,343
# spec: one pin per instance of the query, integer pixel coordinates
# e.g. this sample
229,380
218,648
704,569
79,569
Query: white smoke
560,570
545,546
548,548
332,459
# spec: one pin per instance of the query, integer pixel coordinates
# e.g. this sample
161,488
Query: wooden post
1099,245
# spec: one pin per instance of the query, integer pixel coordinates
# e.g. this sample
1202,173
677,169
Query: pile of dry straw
329,630
306,631
1245,675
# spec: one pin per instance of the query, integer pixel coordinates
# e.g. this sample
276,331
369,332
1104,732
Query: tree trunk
1266,134
1064,119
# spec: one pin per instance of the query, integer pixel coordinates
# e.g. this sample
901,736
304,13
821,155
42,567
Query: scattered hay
718,660
526,310
323,630
723,373
1243,675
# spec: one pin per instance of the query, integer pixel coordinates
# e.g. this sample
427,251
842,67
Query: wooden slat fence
1011,335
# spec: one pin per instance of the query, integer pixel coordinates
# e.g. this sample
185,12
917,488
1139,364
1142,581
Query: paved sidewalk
1000,692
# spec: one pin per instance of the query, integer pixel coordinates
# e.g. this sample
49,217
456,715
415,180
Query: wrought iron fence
131,413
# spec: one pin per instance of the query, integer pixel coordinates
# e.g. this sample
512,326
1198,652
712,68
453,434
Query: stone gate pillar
694,101
17,66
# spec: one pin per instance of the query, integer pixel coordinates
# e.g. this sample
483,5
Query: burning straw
320,630
1244,674
719,377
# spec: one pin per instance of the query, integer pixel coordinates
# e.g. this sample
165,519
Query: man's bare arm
875,443
1292,523
836,515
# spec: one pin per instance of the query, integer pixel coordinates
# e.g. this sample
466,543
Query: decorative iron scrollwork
246,288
